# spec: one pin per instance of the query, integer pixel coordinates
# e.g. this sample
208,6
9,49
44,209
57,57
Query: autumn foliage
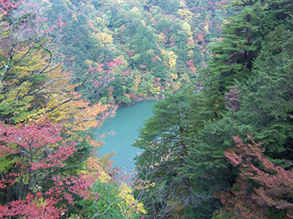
261,186
38,150
45,166
7,5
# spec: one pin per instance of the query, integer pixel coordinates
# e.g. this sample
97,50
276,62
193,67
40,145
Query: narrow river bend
119,133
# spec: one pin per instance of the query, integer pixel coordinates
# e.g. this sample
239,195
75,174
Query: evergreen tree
247,90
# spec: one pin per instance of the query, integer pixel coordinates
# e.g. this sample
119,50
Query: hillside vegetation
219,144
226,152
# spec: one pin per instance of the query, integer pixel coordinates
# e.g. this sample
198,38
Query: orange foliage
66,106
260,187
87,117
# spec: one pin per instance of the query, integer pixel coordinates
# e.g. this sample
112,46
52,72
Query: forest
219,144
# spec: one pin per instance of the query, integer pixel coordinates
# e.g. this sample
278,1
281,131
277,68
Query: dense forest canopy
219,144
226,152
124,51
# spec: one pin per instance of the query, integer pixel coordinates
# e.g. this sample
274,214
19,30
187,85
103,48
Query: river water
119,133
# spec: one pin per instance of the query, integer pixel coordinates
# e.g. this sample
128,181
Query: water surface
121,131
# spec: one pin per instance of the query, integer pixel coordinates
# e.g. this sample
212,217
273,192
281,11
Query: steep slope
191,165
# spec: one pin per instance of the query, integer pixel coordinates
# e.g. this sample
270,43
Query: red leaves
37,148
33,135
32,208
7,5
4,150
56,159
116,62
130,53
234,159
80,186
261,185
60,22
191,66
125,73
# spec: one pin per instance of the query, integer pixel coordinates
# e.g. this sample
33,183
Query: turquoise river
120,132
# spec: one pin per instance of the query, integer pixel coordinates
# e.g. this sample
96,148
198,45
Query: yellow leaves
190,42
28,63
162,38
86,118
4,29
182,3
136,81
20,91
171,56
185,14
155,90
190,53
126,194
206,27
74,16
174,76
88,62
187,28
135,11
64,105
20,54
144,184
176,86
53,96
104,38
100,21
172,59
94,167
105,159
17,102
76,115
58,79
128,204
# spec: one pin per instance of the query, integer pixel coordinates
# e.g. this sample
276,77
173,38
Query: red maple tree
31,183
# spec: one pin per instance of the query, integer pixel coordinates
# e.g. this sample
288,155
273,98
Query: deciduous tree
262,189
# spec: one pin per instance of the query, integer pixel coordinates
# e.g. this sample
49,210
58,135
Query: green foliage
24,68
108,205
267,98
247,89
152,48
222,214
39,176
166,140
242,41
143,33
169,5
